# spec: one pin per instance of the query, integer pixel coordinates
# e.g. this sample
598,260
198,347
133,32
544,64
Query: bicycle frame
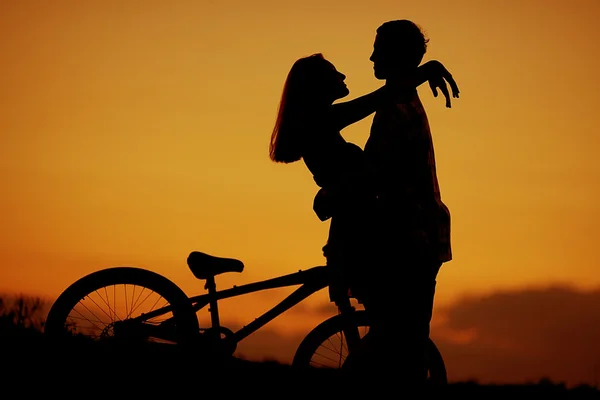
311,281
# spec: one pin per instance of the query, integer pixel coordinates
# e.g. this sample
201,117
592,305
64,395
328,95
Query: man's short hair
405,35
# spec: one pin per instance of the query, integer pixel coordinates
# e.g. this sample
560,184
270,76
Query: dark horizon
270,345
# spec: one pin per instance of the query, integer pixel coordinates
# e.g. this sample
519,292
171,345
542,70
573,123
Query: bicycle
93,307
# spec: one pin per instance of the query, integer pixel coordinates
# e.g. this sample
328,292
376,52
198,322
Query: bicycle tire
333,326
186,320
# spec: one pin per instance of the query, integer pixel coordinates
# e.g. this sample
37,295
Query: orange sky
134,132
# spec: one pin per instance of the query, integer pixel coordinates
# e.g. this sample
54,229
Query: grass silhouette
30,360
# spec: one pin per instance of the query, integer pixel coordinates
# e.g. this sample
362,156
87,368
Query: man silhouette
413,223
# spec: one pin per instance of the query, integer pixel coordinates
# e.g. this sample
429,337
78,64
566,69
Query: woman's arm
349,112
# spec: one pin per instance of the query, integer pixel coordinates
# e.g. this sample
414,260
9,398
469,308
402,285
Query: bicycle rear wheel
326,346
98,307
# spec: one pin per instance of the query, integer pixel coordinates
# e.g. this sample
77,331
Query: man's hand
437,75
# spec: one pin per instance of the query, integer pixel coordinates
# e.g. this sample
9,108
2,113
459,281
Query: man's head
399,47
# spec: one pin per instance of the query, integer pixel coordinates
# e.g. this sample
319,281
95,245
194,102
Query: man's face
381,58
388,59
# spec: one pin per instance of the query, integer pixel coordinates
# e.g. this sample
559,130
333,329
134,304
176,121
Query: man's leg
400,315
420,312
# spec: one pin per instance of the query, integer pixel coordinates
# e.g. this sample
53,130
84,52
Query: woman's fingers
453,86
441,83
433,88
448,77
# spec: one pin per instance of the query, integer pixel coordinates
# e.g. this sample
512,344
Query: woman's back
331,159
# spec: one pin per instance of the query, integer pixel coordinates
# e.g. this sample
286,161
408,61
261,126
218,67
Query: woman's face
333,83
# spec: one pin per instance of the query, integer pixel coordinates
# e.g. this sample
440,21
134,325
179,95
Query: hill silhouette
32,362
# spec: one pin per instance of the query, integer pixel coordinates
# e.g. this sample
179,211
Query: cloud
268,344
522,335
513,336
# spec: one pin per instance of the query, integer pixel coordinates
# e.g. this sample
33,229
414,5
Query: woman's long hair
299,94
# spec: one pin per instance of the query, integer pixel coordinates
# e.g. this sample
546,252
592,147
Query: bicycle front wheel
99,305
327,346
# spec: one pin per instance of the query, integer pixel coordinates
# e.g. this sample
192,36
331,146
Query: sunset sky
134,132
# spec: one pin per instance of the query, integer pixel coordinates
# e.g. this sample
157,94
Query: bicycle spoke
108,315
341,360
342,341
126,311
106,301
155,303
326,357
135,305
332,346
132,298
143,301
87,319
96,313
319,365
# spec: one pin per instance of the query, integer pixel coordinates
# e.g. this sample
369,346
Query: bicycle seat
204,266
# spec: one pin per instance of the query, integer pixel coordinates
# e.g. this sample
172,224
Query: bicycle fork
349,326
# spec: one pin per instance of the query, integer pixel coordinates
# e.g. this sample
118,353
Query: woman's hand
437,75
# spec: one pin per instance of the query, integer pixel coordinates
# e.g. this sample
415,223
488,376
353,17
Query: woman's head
312,84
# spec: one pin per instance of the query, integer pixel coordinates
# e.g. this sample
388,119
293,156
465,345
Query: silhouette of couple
389,231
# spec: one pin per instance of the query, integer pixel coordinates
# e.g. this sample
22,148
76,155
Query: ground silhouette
30,363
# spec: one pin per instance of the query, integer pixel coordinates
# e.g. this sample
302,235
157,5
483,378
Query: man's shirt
400,149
